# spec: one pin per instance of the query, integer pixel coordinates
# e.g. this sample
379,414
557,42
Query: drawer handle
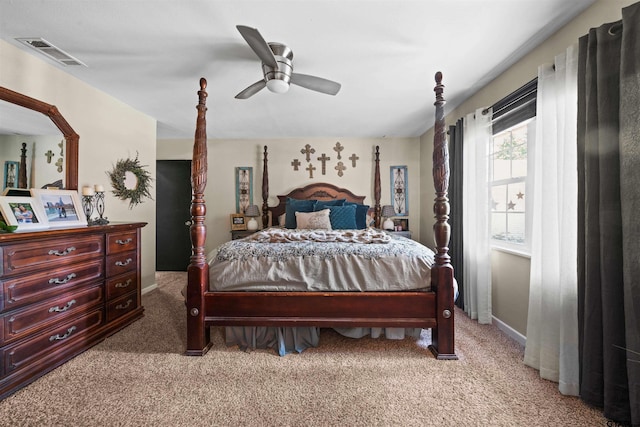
122,264
124,285
63,253
62,337
124,242
124,306
63,309
57,281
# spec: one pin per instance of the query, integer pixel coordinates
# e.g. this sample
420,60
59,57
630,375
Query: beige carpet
139,377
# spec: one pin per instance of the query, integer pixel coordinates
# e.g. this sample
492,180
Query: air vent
46,48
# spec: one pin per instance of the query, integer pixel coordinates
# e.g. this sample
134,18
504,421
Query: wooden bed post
198,335
265,192
376,189
442,273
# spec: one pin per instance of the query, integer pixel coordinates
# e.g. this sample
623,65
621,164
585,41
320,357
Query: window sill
513,251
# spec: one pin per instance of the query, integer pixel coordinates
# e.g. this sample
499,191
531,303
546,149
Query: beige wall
225,156
109,130
510,277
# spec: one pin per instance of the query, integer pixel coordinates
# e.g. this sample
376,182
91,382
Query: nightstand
403,233
239,234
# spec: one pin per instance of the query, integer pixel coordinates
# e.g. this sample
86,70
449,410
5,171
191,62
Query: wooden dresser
61,292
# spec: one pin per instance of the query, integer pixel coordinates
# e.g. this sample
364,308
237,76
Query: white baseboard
511,333
149,288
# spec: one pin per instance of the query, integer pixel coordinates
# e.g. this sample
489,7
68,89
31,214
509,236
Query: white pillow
318,220
281,219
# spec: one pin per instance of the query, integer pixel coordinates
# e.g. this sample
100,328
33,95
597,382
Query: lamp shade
252,210
387,211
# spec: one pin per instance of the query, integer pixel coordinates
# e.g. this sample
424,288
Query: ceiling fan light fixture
277,86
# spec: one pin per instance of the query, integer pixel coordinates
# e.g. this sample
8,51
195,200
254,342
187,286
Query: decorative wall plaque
399,185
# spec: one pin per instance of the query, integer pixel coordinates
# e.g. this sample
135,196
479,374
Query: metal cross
353,159
340,168
311,168
49,154
324,159
308,151
295,164
338,148
59,164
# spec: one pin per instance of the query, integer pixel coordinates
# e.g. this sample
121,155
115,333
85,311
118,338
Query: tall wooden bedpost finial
198,336
265,192
442,272
376,189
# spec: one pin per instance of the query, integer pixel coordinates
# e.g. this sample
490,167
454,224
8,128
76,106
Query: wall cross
308,151
49,154
311,168
324,159
338,148
295,164
340,167
353,159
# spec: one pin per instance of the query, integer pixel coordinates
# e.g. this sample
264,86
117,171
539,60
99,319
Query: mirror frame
71,137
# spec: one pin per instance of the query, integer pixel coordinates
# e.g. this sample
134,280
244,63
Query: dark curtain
609,217
456,248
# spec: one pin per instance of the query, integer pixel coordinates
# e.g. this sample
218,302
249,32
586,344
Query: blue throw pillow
323,204
294,205
361,214
343,217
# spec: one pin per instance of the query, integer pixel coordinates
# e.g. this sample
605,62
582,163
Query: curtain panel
456,245
608,223
552,323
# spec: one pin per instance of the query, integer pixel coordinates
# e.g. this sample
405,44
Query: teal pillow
323,204
294,205
343,217
361,214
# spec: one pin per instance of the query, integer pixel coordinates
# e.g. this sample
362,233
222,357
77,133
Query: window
514,126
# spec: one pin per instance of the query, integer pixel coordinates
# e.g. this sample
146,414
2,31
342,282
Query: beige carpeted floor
139,377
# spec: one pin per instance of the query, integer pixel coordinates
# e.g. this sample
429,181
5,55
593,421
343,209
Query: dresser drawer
122,242
122,305
121,263
49,253
36,348
18,291
20,323
121,285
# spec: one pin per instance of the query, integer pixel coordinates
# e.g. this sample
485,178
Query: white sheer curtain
552,324
475,205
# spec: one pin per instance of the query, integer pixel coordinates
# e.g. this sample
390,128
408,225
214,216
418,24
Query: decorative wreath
117,176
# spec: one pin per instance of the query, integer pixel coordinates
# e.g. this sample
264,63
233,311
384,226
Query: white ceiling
151,55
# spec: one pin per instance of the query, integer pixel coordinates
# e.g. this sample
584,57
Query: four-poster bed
427,305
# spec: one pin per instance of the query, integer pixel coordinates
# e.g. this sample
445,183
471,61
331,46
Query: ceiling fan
277,67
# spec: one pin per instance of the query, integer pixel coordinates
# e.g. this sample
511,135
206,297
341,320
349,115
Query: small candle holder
87,206
99,201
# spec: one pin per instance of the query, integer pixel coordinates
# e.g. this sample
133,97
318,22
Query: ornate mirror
70,138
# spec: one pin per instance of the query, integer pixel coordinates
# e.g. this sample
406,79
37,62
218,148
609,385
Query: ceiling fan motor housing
278,79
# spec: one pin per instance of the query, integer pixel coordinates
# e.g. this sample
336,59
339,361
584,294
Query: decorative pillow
322,204
281,219
343,217
317,220
294,205
361,215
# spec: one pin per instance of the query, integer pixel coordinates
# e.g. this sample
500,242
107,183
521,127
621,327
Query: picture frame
11,174
238,222
62,208
244,188
400,190
401,224
23,212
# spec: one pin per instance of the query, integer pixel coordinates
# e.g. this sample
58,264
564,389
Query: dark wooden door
173,199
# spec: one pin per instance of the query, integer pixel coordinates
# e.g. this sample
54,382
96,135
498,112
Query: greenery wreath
117,176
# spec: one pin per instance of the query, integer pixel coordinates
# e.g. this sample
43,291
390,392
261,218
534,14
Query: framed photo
244,188
238,222
62,208
401,224
399,190
24,212
11,170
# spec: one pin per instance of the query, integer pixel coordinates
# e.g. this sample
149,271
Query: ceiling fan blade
316,83
255,40
252,90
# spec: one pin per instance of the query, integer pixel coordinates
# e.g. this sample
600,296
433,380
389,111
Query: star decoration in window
520,195
511,205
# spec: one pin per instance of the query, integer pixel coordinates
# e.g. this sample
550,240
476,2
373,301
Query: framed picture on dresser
23,212
61,207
